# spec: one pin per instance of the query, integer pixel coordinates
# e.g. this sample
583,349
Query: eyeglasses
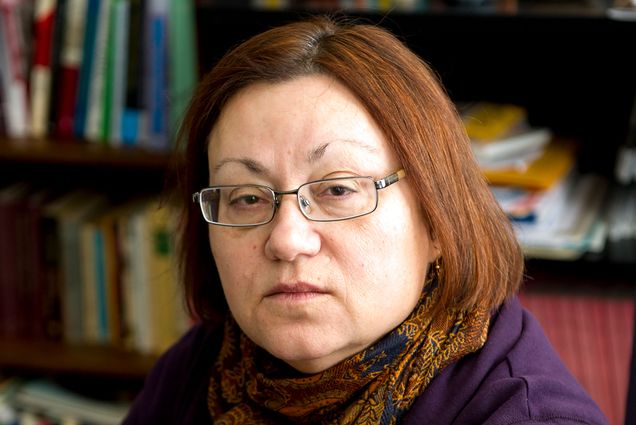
336,199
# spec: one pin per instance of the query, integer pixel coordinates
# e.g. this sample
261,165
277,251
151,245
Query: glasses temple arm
390,179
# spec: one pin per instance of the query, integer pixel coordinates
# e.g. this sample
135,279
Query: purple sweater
516,378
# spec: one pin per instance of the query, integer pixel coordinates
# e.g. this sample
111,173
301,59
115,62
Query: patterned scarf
376,386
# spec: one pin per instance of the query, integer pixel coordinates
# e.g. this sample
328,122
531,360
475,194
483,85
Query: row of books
116,72
45,402
557,212
361,5
593,334
81,267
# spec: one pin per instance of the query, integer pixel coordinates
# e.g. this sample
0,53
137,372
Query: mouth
296,291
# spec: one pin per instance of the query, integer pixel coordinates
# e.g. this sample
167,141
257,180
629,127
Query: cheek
233,258
367,253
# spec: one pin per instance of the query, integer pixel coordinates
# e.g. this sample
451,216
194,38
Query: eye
335,190
338,190
245,197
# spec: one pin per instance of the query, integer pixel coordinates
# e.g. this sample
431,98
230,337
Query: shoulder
516,378
176,387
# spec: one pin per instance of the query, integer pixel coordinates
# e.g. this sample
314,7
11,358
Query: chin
307,355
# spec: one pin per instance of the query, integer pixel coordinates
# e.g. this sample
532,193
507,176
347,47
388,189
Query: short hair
482,262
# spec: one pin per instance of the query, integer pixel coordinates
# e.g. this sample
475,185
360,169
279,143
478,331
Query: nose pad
292,234
304,203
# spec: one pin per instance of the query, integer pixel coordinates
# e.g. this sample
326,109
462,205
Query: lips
294,289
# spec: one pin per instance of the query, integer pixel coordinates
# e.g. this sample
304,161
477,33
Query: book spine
93,132
182,58
112,280
156,66
86,68
56,55
119,65
70,62
133,108
73,275
109,70
44,20
141,287
13,69
101,294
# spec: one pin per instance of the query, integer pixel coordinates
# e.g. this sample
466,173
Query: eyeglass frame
378,184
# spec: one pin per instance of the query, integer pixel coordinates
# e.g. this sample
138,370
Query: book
13,70
70,215
133,279
501,132
532,205
182,50
622,10
556,161
153,315
59,29
37,309
574,226
93,131
104,268
117,50
12,206
167,317
69,66
156,65
515,144
486,121
89,262
86,67
134,114
41,73
57,402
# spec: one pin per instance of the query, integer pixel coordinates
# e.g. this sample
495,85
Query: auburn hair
482,263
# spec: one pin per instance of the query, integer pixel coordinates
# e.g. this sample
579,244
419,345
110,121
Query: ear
434,251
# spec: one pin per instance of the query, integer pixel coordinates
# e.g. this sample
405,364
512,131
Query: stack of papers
49,400
501,137
557,213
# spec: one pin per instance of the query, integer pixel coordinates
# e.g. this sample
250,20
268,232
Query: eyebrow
252,165
313,156
318,152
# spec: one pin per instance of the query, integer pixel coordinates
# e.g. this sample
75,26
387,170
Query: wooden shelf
513,8
60,358
80,153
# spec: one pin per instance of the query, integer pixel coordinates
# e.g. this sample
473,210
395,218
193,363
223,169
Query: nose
292,235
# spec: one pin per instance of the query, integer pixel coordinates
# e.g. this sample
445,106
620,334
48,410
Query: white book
57,402
13,71
41,72
517,144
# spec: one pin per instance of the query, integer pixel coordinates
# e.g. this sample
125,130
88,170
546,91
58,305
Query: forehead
309,117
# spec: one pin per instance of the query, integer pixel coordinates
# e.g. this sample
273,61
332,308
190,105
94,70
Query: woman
344,254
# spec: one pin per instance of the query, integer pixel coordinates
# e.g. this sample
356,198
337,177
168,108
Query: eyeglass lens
324,200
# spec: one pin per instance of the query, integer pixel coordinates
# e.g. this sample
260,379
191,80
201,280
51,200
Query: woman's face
314,293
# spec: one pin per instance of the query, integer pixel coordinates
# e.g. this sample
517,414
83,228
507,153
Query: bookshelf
570,69
570,65
94,360
52,152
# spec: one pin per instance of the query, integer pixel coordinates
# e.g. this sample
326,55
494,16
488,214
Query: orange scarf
376,386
